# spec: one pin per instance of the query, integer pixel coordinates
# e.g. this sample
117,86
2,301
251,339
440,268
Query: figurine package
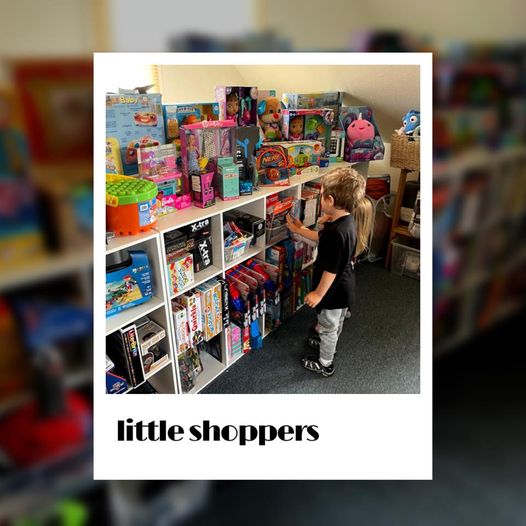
238,104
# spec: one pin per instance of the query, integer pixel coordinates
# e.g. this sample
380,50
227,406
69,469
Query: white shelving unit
153,243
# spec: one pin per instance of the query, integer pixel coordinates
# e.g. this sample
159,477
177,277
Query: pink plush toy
360,130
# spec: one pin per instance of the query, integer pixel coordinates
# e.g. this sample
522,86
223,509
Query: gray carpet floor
378,350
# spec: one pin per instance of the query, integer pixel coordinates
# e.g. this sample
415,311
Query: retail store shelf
122,242
157,369
128,316
211,369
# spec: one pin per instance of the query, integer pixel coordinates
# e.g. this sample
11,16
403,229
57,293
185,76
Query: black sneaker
314,342
312,363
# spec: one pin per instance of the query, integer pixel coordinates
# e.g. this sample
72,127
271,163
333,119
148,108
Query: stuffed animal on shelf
359,131
270,118
410,124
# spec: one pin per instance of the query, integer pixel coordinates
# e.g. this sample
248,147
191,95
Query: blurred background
479,208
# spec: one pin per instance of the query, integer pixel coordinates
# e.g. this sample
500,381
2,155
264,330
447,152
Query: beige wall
390,90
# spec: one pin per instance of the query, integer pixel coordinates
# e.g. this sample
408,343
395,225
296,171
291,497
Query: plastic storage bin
405,259
238,248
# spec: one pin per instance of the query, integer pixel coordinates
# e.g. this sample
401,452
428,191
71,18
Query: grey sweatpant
330,324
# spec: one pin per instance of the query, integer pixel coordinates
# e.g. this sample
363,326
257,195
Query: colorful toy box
203,189
177,115
337,146
307,101
182,335
134,121
304,156
227,179
217,305
272,165
128,283
131,205
181,272
113,156
238,104
159,164
248,140
192,302
207,311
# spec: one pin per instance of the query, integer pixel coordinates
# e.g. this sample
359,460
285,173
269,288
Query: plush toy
410,124
359,130
270,118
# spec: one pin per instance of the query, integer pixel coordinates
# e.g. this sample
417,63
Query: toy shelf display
197,235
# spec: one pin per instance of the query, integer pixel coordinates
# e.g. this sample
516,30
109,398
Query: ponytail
363,217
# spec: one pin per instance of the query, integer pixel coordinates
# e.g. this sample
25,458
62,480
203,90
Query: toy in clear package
128,283
307,101
272,165
177,115
192,302
271,119
310,125
180,271
238,104
182,336
134,121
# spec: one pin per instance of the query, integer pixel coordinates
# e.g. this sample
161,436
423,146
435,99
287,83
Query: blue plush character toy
410,124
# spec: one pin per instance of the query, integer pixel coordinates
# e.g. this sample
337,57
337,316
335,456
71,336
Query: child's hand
293,224
312,299
324,219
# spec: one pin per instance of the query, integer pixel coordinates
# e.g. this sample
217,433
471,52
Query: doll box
177,115
128,284
135,121
311,125
238,104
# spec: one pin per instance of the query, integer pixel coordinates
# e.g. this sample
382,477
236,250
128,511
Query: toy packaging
310,125
177,115
181,272
131,205
227,178
304,156
203,189
115,384
113,156
186,373
332,100
363,140
182,335
126,354
192,303
207,311
337,146
134,121
217,305
270,114
225,300
272,165
247,142
150,334
158,164
128,283
238,104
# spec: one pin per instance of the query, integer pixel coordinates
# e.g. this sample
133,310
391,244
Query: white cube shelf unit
167,379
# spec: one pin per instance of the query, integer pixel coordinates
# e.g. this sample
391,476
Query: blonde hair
347,188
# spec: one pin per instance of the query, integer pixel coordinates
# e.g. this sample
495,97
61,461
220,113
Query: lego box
134,121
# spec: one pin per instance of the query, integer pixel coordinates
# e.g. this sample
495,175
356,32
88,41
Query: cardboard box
182,337
177,115
207,311
192,303
181,272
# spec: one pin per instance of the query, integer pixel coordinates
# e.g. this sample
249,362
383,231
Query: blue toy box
134,121
128,283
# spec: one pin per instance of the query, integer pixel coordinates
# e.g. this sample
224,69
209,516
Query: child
343,238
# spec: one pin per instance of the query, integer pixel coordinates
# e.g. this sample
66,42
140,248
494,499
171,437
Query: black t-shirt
336,247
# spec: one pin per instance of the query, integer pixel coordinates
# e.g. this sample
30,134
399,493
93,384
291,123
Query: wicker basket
405,153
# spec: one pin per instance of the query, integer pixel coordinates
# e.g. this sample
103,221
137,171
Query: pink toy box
238,103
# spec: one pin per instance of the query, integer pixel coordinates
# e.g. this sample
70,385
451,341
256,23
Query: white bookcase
166,379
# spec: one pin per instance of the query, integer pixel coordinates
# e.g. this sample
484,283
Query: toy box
337,146
304,156
198,229
332,100
125,352
113,156
181,272
217,305
272,164
363,141
159,164
150,334
128,283
182,336
225,299
134,121
238,104
207,311
203,189
227,179
310,125
115,384
177,115
203,253
247,142
192,303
